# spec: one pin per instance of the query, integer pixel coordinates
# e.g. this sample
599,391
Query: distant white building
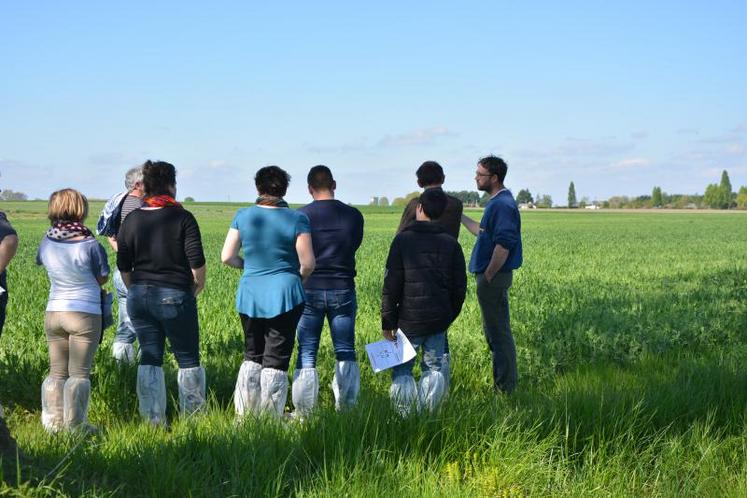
527,205
593,206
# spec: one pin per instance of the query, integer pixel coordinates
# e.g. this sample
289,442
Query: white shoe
346,383
247,393
151,394
305,390
274,393
77,393
432,390
53,404
404,394
191,383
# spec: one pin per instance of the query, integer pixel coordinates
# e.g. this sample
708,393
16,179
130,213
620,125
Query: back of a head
430,173
133,177
67,205
272,180
433,202
495,165
320,178
159,178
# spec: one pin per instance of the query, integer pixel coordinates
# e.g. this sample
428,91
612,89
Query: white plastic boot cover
77,394
446,371
432,390
53,404
151,393
124,352
274,391
346,383
247,393
404,394
191,383
305,390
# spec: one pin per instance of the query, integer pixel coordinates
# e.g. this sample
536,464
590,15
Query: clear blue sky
617,98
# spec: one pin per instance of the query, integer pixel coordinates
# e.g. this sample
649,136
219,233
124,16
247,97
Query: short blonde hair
68,205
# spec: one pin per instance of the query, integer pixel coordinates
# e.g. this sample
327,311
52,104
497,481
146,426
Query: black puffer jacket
425,281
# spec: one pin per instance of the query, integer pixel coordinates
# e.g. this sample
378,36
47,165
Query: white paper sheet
387,354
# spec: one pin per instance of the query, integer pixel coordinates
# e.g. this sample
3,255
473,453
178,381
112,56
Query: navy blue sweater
336,232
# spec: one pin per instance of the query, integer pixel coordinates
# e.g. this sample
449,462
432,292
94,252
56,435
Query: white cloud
115,159
635,162
416,137
593,147
736,149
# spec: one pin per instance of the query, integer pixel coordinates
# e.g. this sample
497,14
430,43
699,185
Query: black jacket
450,220
425,281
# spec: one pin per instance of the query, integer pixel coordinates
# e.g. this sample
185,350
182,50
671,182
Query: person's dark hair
320,178
430,173
158,178
272,180
495,165
433,202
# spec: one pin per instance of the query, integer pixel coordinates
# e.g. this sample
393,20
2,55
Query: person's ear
311,191
334,185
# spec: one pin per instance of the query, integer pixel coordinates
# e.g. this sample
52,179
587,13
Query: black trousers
269,341
493,299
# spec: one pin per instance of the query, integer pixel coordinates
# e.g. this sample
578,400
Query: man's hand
488,276
389,335
471,225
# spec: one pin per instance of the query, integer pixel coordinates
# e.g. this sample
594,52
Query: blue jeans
340,307
125,330
433,350
161,312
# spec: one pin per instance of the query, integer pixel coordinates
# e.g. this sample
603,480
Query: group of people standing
298,268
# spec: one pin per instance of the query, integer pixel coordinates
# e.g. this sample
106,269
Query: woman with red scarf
162,263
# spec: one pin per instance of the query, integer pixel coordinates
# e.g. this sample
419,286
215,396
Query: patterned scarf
161,201
269,200
64,230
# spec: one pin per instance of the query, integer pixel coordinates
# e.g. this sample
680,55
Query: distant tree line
10,195
716,196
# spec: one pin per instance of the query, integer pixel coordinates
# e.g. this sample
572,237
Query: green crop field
631,331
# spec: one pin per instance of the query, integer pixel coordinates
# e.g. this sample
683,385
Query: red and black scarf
161,201
64,230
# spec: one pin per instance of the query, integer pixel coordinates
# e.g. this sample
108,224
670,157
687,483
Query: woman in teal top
277,257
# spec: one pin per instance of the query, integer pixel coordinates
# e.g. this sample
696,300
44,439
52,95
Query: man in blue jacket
497,253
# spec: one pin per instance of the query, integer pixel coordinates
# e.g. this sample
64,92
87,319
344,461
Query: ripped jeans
432,351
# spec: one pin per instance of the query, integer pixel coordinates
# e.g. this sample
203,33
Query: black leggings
269,341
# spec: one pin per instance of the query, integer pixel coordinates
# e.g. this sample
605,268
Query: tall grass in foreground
631,337
664,427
